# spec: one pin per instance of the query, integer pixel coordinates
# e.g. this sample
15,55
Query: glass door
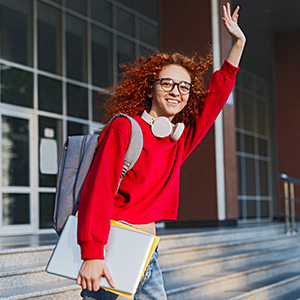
16,197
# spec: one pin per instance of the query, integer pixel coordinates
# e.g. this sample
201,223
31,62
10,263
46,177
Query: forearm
236,52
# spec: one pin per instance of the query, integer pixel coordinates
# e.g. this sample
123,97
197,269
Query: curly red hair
130,95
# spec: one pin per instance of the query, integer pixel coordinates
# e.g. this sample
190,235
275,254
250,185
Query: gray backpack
76,158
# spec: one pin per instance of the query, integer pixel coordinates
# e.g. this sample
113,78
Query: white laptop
126,255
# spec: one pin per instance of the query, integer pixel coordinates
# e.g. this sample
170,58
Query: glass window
248,112
75,128
77,5
50,131
251,209
148,33
50,94
16,31
238,142
126,52
46,210
49,38
16,209
250,176
241,178
249,143
15,151
263,175
16,86
101,11
125,22
262,117
76,48
263,147
265,209
145,7
98,110
144,51
77,101
101,57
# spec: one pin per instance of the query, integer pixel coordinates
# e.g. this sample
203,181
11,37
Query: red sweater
149,192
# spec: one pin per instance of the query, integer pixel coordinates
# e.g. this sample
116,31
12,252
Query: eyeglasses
168,84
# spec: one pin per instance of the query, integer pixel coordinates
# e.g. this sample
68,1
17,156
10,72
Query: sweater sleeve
96,199
220,87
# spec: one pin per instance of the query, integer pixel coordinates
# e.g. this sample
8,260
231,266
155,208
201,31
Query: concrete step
212,236
191,272
52,290
227,286
24,257
194,265
195,253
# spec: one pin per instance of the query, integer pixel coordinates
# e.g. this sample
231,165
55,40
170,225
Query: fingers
227,13
108,277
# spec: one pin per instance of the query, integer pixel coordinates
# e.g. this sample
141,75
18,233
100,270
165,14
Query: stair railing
289,203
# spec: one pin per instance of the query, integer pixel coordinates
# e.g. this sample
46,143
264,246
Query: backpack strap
131,156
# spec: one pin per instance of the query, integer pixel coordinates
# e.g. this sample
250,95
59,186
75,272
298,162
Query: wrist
240,42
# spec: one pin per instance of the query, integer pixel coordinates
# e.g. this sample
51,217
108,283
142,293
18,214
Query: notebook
128,252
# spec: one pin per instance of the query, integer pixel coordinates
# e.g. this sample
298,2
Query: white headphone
161,127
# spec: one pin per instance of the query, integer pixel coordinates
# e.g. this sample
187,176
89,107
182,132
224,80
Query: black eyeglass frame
173,85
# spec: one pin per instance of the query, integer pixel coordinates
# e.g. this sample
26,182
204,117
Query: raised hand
239,39
231,23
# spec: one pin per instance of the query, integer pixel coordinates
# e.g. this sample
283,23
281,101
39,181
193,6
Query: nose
175,89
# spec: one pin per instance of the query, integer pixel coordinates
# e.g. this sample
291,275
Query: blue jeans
151,286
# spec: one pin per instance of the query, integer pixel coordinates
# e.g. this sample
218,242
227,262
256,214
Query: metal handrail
289,203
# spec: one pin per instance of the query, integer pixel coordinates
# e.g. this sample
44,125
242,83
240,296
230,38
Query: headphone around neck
161,127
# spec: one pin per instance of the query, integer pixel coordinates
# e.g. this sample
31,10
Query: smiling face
168,104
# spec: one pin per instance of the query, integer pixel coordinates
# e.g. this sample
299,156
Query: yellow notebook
151,252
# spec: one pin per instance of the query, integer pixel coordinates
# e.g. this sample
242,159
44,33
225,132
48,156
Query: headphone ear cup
177,131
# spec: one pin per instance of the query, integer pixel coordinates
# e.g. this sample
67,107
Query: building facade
57,55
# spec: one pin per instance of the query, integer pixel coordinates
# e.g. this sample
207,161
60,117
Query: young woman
158,91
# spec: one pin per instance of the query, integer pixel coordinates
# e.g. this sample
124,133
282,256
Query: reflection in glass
101,57
15,209
126,52
101,11
50,94
49,38
16,86
77,101
49,129
75,128
16,31
76,48
98,110
125,22
46,210
15,151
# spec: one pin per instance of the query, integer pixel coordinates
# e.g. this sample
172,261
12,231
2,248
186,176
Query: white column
219,144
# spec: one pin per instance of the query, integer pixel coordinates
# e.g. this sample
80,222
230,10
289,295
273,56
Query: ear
150,95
